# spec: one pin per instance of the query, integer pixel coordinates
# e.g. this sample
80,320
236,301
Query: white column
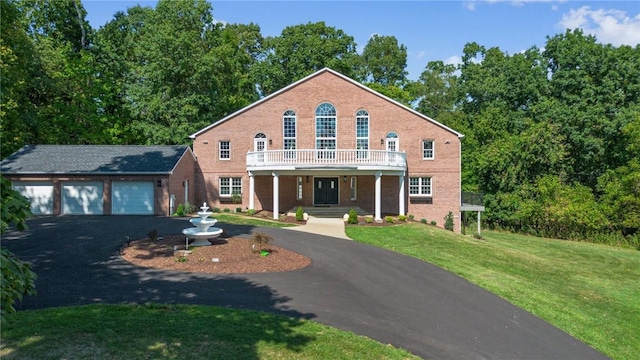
378,195
276,196
401,196
479,212
252,191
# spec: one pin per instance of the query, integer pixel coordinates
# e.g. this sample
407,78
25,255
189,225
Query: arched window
362,134
289,126
326,131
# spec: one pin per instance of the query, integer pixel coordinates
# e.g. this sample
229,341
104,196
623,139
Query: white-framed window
299,188
420,186
362,134
230,186
353,188
427,150
224,150
326,131
289,135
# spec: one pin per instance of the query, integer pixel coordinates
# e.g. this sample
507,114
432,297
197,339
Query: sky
431,30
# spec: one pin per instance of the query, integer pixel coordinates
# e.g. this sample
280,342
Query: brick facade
348,97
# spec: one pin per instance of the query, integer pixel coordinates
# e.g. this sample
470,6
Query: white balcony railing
319,158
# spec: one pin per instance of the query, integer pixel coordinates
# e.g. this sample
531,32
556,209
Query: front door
325,191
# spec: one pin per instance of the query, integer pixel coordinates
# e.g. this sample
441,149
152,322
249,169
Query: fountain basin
203,224
200,237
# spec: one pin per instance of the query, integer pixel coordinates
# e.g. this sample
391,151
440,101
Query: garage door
39,193
82,198
132,197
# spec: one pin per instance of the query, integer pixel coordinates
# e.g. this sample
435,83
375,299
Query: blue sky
431,30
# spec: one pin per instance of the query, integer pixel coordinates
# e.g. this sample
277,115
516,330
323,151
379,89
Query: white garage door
132,197
39,193
82,198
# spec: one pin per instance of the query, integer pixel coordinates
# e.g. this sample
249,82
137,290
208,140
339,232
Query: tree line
552,135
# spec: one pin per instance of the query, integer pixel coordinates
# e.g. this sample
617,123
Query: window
289,126
326,131
352,187
427,149
420,186
224,150
230,186
362,134
299,188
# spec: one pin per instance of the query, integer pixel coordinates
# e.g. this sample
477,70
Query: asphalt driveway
386,296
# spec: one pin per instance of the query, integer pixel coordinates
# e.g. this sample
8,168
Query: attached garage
39,193
82,198
132,198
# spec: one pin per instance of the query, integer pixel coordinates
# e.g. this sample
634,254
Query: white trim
266,98
433,149
419,195
220,150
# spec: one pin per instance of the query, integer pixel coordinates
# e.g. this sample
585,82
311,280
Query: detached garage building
102,179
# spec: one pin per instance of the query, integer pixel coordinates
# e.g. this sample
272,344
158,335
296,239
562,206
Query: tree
384,61
302,50
17,279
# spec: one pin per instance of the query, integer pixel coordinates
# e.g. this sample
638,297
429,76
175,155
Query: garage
132,198
39,193
82,198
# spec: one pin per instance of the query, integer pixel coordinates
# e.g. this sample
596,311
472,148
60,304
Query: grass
178,332
590,291
243,219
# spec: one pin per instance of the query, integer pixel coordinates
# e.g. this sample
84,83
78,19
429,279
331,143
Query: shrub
411,217
368,220
448,221
434,223
153,235
215,210
251,212
402,217
299,214
227,210
353,217
238,209
179,210
260,241
423,220
236,198
478,236
389,219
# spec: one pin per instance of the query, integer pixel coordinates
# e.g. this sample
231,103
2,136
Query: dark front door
325,191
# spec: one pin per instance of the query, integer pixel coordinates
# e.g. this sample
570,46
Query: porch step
329,211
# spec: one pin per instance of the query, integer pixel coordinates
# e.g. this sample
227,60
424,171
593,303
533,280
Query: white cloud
609,26
421,54
453,60
469,5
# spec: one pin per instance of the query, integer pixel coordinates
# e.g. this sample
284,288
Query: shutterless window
289,127
420,186
427,150
299,188
230,186
353,188
224,150
362,134
326,131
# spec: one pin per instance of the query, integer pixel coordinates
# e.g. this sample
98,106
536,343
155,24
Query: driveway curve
370,291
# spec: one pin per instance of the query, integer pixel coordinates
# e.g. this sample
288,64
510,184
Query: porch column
401,195
252,190
276,196
378,217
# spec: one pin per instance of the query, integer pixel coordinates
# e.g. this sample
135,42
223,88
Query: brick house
102,179
327,140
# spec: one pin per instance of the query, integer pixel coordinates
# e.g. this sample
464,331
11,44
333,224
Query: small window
427,150
420,186
224,150
299,188
230,186
353,190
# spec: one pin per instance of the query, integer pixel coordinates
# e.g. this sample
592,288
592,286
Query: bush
448,221
227,210
179,210
411,217
299,214
260,241
251,212
434,223
215,210
17,280
389,219
477,236
353,217
238,209
402,217
368,220
423,220
153,235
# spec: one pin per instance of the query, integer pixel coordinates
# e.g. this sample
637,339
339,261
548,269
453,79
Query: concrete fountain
202,230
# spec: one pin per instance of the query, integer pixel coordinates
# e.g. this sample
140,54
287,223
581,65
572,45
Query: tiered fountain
202,231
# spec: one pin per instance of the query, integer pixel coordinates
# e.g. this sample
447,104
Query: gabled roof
363,87
95,159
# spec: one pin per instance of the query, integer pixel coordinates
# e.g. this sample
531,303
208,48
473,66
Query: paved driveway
374,292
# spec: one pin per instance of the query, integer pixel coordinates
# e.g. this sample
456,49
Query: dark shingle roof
93,159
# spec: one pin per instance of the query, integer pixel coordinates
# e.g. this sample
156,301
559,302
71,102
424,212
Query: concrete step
329,211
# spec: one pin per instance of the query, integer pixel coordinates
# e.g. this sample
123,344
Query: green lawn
590,291
243,219
178,332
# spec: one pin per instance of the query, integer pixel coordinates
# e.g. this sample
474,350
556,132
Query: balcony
311,159
471,201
